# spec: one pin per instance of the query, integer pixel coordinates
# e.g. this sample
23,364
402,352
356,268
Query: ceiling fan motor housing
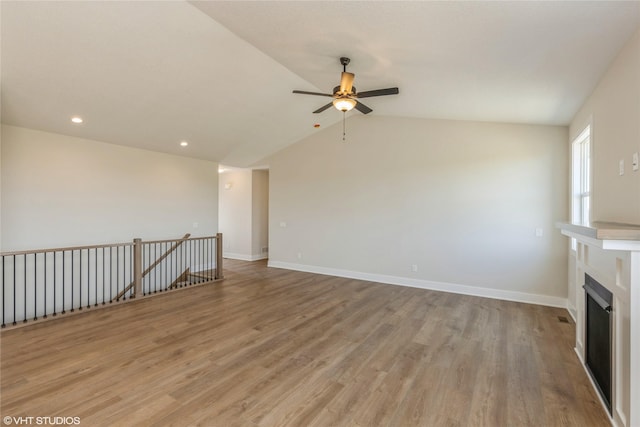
336,91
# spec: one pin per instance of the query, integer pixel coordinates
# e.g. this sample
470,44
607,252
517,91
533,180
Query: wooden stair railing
32,288
138,257
181,278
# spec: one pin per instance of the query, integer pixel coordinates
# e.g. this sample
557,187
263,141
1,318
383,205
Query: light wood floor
270,347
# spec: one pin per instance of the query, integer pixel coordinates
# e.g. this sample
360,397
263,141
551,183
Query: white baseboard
244,257
427,284
572,311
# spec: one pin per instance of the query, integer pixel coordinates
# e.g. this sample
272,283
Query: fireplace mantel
610,252
605,235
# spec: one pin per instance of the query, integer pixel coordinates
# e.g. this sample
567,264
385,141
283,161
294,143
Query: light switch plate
634,162
621,164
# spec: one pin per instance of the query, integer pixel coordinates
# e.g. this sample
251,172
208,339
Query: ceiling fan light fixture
345,97
344,104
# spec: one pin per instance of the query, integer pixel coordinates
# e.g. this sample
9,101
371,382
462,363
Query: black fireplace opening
598,327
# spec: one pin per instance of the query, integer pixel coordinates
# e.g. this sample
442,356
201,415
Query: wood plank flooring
270,347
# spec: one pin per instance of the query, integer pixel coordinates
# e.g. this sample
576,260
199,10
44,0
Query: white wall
60,191
260,213
459,200
614,112
615,109
0,186
235,212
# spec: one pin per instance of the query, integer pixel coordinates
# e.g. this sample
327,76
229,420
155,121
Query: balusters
4,280
200,254
212,258
126,272
73,276
132,267
35,293
155,271
44,316
182,263
63,281
55,278
110,274
95,273
103,278
118,272
45,283
148,279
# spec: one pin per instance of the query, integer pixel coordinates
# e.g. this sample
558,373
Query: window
581,179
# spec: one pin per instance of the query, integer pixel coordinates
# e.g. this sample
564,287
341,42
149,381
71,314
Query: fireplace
598,326
608,322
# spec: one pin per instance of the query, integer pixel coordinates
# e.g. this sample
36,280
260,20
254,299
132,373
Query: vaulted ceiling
219,74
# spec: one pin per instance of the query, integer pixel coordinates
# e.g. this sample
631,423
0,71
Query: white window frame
581,178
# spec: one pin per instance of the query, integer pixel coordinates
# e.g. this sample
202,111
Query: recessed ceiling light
76,120
221,170
184,143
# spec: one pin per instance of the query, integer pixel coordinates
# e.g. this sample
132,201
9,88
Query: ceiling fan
345,97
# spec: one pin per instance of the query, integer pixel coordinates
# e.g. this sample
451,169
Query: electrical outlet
299,255
414,268
539,232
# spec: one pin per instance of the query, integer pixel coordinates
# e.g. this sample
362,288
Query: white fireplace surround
610,253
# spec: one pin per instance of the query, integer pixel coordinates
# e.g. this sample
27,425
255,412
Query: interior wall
235,212
260,214
429,203
0,188
63,191
614,109
0,144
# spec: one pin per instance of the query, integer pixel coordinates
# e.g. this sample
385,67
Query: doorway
243,212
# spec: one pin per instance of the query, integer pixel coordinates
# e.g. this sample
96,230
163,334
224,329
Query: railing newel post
137,267
219,274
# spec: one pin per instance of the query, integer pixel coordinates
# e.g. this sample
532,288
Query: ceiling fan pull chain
344,131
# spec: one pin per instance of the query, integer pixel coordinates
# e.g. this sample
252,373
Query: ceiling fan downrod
344,61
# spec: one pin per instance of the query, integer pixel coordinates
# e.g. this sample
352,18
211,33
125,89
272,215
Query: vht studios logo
39,421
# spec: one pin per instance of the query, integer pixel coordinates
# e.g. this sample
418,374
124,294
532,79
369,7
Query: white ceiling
220,74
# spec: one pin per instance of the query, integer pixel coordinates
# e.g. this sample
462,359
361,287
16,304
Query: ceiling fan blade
346,82
304,92
324,107
362,108
378,92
